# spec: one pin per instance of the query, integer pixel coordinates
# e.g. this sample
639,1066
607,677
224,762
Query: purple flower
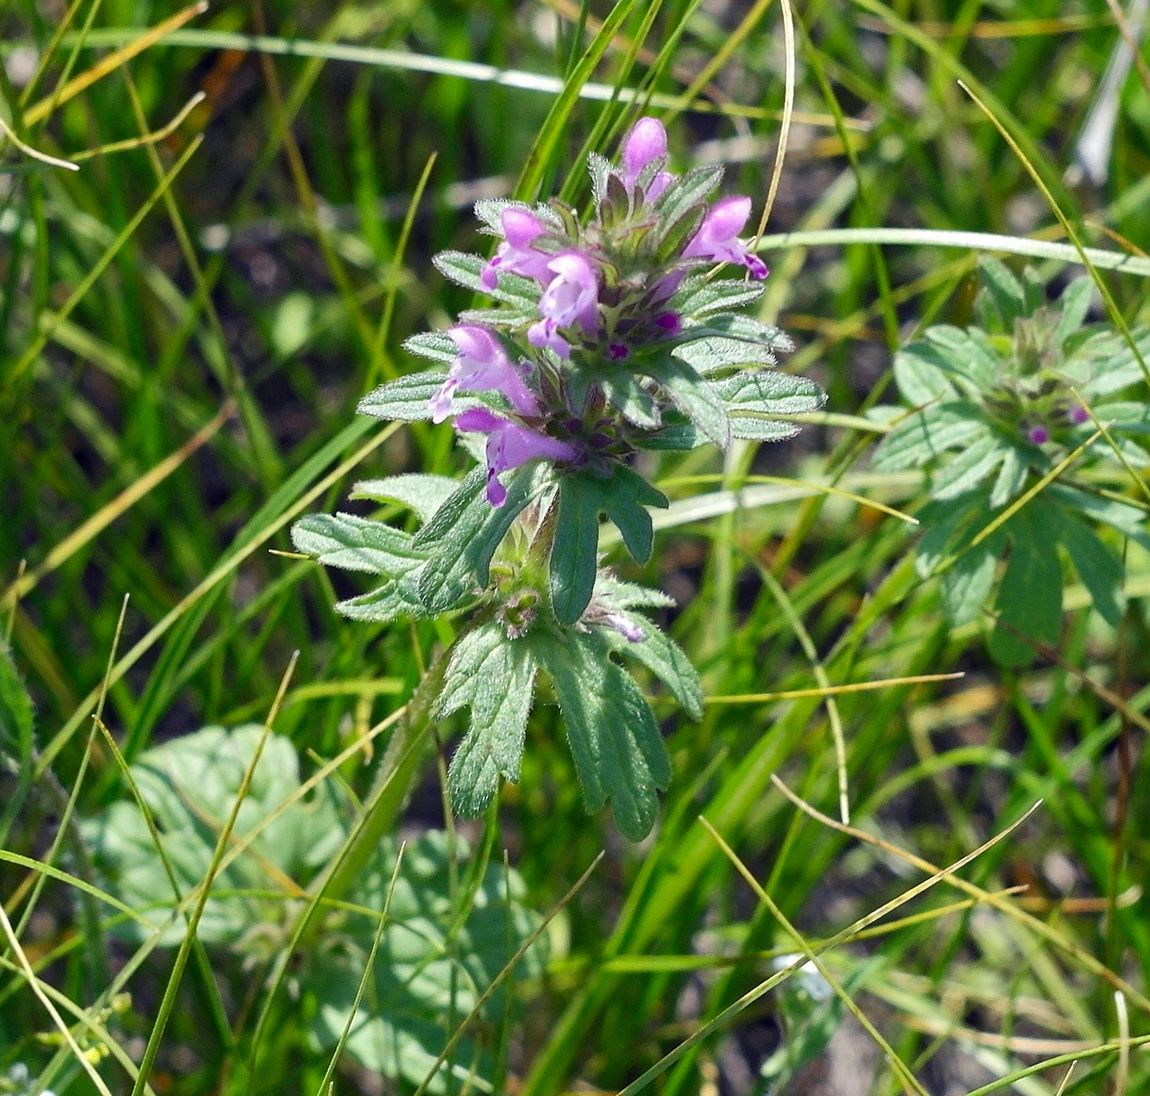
510,444
521,228
717,237
1038,435
482,366
625,627
1078,415
571,297
644,144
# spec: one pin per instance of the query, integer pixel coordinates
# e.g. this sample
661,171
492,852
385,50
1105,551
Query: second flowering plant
608,336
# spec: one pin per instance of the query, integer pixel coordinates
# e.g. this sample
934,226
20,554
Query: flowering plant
607,337
1010,419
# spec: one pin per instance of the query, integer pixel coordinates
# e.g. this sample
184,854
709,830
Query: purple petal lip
572,295
510,444
717,237
517,253
1038,435
1078,415
482,365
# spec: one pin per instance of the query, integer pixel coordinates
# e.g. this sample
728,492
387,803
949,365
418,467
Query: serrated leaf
623,391
697,298
423,493
620,757
693,396
495,677
752,397
663,657
356,544
942,529
680,206
465,270
968,468
926,435
396,598
405,399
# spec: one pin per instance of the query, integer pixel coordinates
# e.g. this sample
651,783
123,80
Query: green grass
186,326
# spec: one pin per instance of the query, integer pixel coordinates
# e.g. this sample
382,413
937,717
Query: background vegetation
186,325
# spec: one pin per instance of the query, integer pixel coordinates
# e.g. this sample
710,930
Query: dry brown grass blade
107,65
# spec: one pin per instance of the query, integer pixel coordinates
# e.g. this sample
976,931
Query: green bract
1017,423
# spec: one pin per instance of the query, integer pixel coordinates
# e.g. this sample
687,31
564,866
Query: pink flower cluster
581,309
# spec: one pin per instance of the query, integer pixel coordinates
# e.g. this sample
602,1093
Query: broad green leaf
919,376
1011,476
1129,520
441,948
752,397
967,356
1073,305
356,544
624,497
619,754
967,583
495,676
190,785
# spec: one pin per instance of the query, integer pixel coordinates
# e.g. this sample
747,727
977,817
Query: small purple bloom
717,237
617,351
671,322
629,631
571,297
482,366
517,253
1078,415
510,444
644,144
1038,435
